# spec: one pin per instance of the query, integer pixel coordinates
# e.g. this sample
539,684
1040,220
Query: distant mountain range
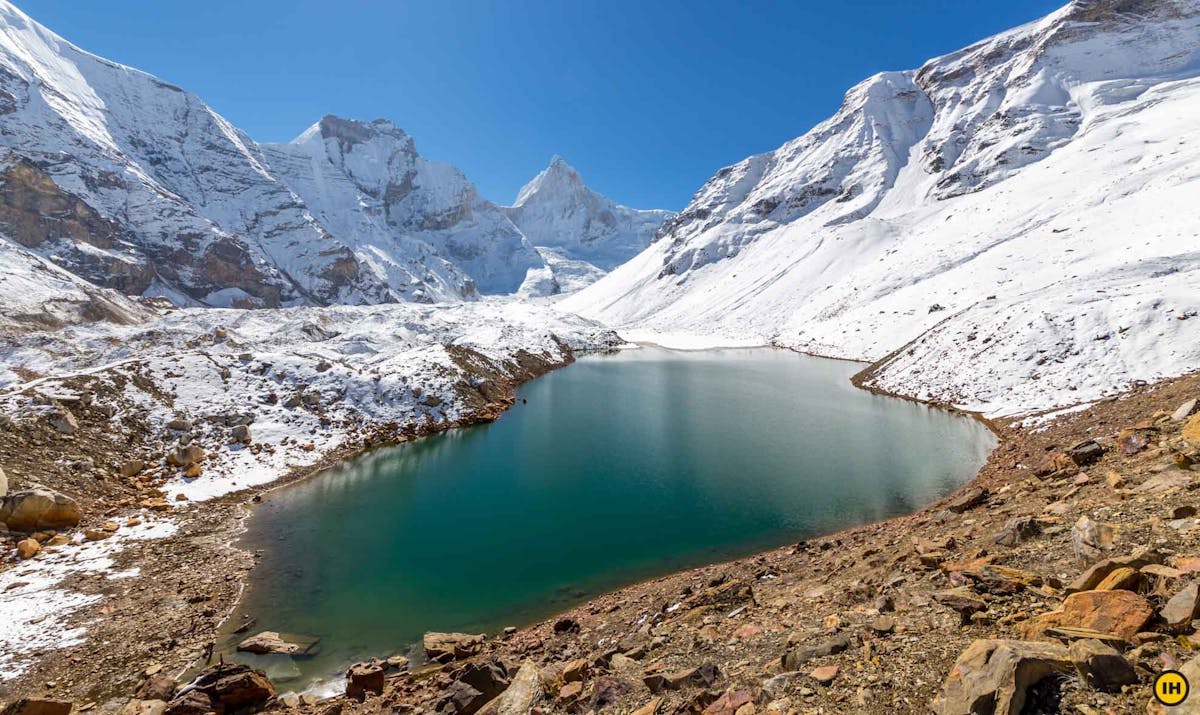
137,185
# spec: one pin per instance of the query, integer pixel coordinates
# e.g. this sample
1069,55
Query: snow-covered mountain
417,226
581,233
1010,226
137,185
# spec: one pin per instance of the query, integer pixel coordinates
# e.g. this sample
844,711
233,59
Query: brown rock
270,642
143,707
650,708
132,468
39,508
1121,578
729,703
223,687
363,679
796,656
825,674
1085,453
575,670
1095,575
963,601
706,676
28,548
157,687
522,694
1101,666
608,690
967,500
1182,608
993,676
445,647
1191,431
1119,613
38,706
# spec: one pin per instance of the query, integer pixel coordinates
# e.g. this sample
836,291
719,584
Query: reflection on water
619,468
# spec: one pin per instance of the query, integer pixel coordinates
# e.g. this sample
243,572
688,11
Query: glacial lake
616,469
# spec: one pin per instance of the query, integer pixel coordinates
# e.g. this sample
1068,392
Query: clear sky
647,98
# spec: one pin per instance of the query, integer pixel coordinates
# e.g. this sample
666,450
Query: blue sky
647,98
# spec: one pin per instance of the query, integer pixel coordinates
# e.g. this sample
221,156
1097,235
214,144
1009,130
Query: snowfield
306,378
1012,226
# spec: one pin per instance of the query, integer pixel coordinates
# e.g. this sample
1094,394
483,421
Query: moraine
618,469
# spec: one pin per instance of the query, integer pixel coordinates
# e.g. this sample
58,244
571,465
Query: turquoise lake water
613,470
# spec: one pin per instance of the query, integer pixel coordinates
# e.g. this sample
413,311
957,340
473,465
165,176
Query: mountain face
137,185
1005,223
578,229
417,226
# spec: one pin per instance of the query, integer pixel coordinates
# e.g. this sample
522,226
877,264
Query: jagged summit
556,210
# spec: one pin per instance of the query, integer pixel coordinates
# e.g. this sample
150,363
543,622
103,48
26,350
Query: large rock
1182,608
39,508
38,706
522,694
1100,665
1090,539
477,684
1120,614
363,679
968,500
63,421
1191,430
1101,570
3,484
226,687
270,642
445,647
993,676
798,655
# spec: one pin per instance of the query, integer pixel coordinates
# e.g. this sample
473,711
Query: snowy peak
557,210
1008,214
170,199
558,180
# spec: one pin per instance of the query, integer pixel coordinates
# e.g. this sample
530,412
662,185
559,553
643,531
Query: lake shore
90,673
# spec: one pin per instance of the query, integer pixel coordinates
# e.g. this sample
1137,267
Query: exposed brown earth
1002,577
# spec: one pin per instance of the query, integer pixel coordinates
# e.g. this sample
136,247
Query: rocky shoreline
870,619
164,615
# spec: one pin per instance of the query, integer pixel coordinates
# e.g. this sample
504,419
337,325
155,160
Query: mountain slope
570,223
163,196
1006,225
417,226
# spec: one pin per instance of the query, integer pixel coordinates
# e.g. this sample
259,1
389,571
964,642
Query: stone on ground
39,508
993,676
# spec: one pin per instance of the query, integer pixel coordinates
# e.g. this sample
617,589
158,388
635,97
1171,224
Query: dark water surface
619,468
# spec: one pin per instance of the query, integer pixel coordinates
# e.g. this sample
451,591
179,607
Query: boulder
488,676
1086,453
157,687
993,676
364,679
3,484
241,433
795,657
270,642
1121,614
963,601
729,703
224,687
445,647
28,548
38,706
1101,570
1100,665
1184,411
522,694
1090,539
1016,530
461,699
39,508
1184,606
63,421
132,468
967,500
1191,431
179,425
608,690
